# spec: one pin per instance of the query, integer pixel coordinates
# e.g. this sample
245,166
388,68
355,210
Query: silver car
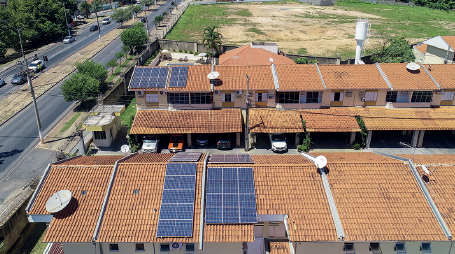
2,82
69,39
150,144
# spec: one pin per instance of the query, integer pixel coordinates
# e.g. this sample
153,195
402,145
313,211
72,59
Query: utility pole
29,80
66,20
96,4
247,125
146,20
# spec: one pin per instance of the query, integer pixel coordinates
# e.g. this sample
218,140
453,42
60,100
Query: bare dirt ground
296,26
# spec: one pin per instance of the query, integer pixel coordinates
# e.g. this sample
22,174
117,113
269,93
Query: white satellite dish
213,75
412,66
202,54
58,201
320,161
164,50
271,60
125,148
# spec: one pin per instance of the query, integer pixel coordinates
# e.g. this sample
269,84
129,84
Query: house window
349,248
425,247
178,98
400,248
189,248
99,135
165,248
228,97
261,97
140,247
201,98
371,96
447,96
312,97
277,229
288,97
391,96
113,247
337,96
258,230
421,96
375,248
151,98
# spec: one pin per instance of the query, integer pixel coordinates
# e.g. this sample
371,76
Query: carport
160,121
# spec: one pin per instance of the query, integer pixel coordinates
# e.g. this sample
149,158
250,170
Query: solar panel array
231,197
178,76
149,77
177,202
231,158
186,156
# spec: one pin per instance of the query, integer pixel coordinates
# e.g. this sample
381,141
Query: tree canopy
80,87
134,36
85,8
121,15
93,70
395,50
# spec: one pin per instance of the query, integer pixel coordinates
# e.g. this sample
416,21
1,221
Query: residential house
104,122
257,53
437,50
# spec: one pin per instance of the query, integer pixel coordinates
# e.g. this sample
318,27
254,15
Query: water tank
361,30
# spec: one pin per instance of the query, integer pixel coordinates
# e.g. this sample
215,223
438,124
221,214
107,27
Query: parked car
94,28
278,142
150,144
80,17
2,82
19,78
143,19
106,21
36,66
224,143
176,143
202,141
69,39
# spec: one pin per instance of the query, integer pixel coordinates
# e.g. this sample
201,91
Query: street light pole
38,122
247,125
96,4
66,20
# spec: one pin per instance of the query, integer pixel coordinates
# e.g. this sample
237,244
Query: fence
392,2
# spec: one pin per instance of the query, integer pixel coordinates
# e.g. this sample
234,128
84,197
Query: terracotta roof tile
289,121
233,77
149,158
431,158
422,48
197,80
450,40
228,233
279,248
279,159
443,74
150,121
358,76
381,202
354,157
252,56
90,160
402,79
299,77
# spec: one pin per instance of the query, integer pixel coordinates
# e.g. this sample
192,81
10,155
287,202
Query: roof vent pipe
361,30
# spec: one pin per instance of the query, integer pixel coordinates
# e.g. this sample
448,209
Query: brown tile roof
233,77
279,248
299,77
289,121
381,118
354,157
149,158
197,80
422,48
150,121
149,88
358,76
381,202
75,223
450,40
443,74
280,159
228,233
90,160
402,79
252,56
431,158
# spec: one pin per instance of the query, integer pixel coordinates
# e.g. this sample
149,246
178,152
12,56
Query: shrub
180,50
356,146
191,52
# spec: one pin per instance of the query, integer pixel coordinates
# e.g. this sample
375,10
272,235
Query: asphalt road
20,135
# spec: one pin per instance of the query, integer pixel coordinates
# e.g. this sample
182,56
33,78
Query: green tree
120,55
395,50
93,70
85,8
96,6
157,20
134,36
111,64
121,15
2,49
80,87
136,9
212,39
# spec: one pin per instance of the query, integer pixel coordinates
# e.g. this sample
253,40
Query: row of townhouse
198,203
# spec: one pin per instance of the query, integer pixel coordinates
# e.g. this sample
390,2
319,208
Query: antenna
412,66
213,75
58,201
125,149
271,60
319,162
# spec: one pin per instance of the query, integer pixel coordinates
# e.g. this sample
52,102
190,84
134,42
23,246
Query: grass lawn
129,111
40,246
70,122
117,71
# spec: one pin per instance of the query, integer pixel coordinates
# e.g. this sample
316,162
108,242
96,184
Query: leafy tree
80,87
111,64
136,9
120,55
70,6
134,36
157,20
395,50
93,70
212,38
85,8
121,15
2,49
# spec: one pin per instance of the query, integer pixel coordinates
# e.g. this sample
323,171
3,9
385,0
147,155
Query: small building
437,50
257,53
104,122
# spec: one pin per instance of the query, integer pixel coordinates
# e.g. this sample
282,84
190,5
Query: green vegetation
112,63
122,15
255,30
40,246
147,63
306,142
71,122
304,60
129,111
212,39
243,13
363,134
396,50
134,36
302,51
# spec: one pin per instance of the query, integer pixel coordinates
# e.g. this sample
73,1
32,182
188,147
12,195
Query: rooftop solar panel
186,156
178,76
149,77
231,158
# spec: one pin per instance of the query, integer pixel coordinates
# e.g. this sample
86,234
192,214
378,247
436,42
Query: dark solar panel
186,156
230,196
149,77
231,158
177,201
178,76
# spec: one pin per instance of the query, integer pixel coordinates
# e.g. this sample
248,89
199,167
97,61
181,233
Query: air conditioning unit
439,91
238,92
270,96
140,94
176,245
348,93
217,92
162,92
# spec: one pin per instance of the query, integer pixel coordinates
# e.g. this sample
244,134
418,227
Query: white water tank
361,30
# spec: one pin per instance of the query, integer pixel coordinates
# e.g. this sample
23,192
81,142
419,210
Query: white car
69,39
36,66
278,142
106,21
150,144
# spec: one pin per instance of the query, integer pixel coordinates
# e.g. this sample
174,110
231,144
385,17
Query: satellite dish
58,201
202,54
412,66
271,60
125,149
164,50
213,75
320,161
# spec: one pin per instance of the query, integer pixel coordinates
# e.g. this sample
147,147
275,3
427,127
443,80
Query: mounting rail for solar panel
132,75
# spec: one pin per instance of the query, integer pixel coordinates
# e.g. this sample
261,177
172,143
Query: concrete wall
419,55
321,60
191,46
319,2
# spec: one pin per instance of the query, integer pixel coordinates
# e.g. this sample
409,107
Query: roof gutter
38,189
384,76
320,76
201,227
106,197
132,75
434,80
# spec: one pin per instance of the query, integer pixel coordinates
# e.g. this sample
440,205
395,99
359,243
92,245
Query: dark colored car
94,28
202,141
19,79
2,82
224,144
143,19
